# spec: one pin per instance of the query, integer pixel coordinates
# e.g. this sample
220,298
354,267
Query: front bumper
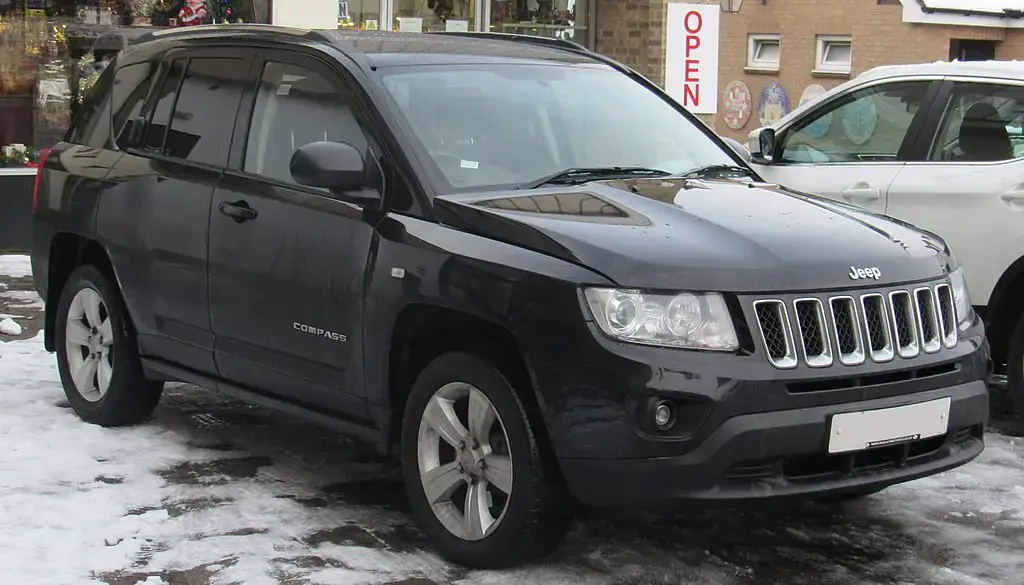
782,454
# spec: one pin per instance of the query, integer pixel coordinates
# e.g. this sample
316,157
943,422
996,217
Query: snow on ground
215,491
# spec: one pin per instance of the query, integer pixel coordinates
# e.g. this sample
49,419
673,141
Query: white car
938,145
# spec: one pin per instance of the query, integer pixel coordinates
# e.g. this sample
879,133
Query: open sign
691,62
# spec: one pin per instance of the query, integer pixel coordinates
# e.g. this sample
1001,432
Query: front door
852,147
970,187
287,262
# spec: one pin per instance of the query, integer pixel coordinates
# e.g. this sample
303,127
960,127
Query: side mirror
337,166
762,144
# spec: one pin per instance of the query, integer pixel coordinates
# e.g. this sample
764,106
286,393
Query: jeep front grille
852,328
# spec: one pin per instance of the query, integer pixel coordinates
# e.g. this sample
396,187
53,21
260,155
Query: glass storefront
51,51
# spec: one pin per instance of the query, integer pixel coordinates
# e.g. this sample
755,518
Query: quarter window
156,129
131,86
294,107
867,125
204,116
982,123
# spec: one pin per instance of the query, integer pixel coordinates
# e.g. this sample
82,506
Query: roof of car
397,48
1001,69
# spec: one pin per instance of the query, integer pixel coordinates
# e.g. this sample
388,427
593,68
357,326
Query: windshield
508,125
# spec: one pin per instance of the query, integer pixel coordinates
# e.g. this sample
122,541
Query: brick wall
633,31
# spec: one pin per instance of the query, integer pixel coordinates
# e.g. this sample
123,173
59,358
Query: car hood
726,235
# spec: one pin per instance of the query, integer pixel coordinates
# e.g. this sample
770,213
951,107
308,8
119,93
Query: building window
835,54
763,52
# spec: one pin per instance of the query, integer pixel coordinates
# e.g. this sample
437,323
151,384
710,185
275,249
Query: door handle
1014,200
238,211
865,193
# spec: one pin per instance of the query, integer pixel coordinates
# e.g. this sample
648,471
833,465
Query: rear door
176,143
287,262
852,147
969,185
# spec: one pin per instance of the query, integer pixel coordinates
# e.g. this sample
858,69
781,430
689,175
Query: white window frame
754,42
824,42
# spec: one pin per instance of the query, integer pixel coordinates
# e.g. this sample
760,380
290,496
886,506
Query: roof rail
542,41
227,28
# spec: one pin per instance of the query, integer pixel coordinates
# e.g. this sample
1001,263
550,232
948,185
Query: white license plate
856,431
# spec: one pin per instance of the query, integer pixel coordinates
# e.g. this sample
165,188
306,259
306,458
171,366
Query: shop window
764,52
205,112
562,19
835,55
434,15
359,14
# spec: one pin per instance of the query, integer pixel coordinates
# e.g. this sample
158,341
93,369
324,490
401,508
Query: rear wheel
97,355
480,484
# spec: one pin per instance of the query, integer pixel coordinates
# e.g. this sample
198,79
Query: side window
156,129
204,116
131,87
294,107
89,125
867,125
981,123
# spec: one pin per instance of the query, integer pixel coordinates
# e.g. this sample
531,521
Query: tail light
39,176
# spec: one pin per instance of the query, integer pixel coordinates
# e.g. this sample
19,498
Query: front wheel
97,356
480,484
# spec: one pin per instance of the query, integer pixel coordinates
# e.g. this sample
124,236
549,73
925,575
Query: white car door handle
1014,200
862,193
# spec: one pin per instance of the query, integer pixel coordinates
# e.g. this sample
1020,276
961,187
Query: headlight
961,298
686,320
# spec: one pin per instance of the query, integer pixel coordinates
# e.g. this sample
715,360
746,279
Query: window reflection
581,206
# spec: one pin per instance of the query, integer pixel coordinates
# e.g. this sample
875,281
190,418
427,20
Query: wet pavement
245,484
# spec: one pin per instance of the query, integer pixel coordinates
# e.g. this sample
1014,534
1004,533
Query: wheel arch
68,251
423,332
1005,306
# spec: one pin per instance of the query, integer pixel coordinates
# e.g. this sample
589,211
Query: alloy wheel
465,465
89,341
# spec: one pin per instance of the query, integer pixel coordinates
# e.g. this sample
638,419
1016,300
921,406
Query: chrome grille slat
927,320
876,326
853,328
810,317
846,325
776,332
947,315
904,324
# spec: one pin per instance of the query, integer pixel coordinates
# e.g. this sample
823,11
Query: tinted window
204,116
90,125
131,86
867,125
982,123
161,116
294,107
499,125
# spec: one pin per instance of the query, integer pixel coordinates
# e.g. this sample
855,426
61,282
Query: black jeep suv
514,263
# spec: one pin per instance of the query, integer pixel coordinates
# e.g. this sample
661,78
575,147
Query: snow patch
15,265
10,327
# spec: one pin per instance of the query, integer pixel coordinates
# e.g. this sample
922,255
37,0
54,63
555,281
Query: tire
113,391
534,517
1014,398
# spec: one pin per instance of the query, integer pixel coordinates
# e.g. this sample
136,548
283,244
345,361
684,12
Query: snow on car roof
1011,69
989,6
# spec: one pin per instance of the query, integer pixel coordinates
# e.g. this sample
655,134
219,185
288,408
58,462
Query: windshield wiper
716,171
575,176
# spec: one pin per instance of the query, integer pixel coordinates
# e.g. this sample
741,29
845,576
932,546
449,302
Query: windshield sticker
470,164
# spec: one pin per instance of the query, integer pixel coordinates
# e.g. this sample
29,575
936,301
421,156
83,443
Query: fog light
663,416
